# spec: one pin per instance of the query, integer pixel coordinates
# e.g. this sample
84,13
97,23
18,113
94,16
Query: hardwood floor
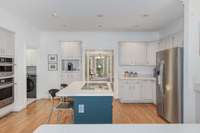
135,114
37,113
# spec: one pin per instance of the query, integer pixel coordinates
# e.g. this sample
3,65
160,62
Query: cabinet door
120,88
3,39
126,54
31,57
10,44
135,91
178,40
77,77
131,53
2,45
71,49
69,78
151,53
6,43
147,90
123,90
140,51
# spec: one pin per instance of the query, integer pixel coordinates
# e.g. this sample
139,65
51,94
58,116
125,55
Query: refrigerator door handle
160,79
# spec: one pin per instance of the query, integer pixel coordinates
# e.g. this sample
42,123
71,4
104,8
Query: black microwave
4,60
6,67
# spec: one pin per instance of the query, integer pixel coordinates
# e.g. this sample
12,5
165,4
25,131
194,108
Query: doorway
31,74
99,65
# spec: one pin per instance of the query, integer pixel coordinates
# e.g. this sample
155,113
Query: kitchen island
92,101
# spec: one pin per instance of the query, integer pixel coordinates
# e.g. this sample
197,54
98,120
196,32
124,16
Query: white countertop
167,128
138,78
74,89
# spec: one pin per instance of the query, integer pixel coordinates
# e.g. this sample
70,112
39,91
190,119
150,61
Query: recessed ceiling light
136,26
54,14
64,25
182,1
100,26
99,15
145,15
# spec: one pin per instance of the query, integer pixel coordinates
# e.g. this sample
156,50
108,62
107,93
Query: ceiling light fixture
54,14
99,15
100,26
136,26
182,1
145,15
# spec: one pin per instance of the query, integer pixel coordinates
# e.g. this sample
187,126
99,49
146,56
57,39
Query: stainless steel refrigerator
169,84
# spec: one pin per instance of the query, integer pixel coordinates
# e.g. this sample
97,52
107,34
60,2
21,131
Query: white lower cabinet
70,77
147,90
136,91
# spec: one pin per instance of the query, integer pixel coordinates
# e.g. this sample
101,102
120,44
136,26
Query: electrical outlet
81,108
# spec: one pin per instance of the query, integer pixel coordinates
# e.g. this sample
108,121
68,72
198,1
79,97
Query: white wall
25,36
50,42
191,58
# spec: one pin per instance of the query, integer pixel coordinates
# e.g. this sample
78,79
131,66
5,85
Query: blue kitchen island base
93,109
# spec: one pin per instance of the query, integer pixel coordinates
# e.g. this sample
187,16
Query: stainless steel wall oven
6,91
6,81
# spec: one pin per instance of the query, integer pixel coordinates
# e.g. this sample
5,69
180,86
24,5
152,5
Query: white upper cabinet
152,48
124,53
31,57
6,43
71,50
176,40
140,53
132,53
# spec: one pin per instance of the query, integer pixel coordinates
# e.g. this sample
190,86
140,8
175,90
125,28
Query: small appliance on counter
154,72
70,65
128,74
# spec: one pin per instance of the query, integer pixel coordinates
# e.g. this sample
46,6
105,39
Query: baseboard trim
19,108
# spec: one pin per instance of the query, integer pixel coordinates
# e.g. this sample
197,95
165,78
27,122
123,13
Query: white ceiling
81,15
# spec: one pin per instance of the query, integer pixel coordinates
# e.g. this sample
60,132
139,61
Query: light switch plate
81,108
